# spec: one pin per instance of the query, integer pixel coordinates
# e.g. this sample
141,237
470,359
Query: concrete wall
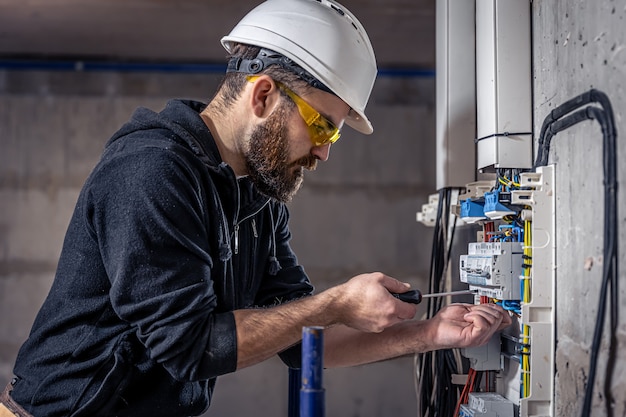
355,214
579,45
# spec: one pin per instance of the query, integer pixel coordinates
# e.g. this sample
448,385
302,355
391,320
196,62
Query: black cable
555,122
558,126
610,276
438,395
557,113
577,102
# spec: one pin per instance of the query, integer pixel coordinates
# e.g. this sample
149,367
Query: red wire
471,378
488,229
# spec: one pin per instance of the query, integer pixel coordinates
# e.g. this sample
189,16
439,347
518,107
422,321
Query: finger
480,330
484,317
506,320
505,324
506,316
393,285
488,309
405,311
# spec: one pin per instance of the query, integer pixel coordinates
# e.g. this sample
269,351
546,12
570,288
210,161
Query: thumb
393,285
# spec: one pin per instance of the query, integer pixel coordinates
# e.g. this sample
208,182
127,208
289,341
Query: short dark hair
232,84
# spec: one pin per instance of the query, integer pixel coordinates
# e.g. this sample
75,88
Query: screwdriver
416,296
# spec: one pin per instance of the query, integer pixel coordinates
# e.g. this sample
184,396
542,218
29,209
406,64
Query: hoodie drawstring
274,265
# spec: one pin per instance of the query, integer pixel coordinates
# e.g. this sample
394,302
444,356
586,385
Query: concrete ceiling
401,31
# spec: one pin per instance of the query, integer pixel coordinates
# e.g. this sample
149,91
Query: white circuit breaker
487,404
493,268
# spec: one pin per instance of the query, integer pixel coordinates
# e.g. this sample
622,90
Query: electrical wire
471,377
525,329
559,119
435,391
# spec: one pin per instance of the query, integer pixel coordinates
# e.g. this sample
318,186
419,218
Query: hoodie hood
182,118
180,121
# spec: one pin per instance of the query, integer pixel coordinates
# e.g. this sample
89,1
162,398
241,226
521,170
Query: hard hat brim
359,122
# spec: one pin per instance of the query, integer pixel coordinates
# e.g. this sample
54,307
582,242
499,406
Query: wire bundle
472,384
525,291
564,116
436,394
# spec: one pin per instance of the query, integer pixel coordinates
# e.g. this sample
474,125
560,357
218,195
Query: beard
267,159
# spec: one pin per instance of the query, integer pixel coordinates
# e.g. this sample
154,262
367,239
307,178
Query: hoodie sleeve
148,215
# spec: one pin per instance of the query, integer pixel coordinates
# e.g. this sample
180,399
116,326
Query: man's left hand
467,325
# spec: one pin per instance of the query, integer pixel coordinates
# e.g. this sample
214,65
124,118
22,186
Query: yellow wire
525,365
508,182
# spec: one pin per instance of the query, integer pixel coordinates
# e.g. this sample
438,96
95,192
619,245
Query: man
176,267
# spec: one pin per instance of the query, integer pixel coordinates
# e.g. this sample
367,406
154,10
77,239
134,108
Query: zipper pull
254,228
236,239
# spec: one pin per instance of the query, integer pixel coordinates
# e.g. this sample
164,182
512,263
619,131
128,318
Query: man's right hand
365,303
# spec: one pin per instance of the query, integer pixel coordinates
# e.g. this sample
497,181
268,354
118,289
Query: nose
321,152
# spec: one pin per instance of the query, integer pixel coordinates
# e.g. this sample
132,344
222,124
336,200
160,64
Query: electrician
176,267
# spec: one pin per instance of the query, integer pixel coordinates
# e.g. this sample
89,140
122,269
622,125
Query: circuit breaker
493,269
487,404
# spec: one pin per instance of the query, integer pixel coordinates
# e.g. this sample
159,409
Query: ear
264,96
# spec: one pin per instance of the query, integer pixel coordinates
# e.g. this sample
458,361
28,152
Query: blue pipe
311,392
78,65
91,66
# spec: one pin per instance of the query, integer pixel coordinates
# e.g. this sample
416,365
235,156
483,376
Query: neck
227,136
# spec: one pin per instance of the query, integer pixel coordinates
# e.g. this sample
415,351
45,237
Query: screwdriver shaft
445,294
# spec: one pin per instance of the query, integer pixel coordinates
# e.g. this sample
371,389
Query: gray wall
577,46
355,214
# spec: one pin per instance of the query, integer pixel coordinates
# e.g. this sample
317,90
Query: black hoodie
163,245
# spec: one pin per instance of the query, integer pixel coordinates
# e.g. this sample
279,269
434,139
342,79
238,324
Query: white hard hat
324,38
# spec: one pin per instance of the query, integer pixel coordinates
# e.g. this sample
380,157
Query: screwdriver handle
411,296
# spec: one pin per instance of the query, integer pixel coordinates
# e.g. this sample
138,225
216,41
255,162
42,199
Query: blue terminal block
493,208
472,210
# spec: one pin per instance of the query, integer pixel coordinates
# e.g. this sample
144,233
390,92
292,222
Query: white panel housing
456,93
503,84
539,314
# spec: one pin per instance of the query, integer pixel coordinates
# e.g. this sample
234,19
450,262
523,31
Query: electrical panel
511,264
510,259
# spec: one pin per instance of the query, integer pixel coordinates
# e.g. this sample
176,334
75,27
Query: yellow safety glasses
321,130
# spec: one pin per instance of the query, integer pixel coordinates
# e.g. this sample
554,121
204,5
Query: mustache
308,162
